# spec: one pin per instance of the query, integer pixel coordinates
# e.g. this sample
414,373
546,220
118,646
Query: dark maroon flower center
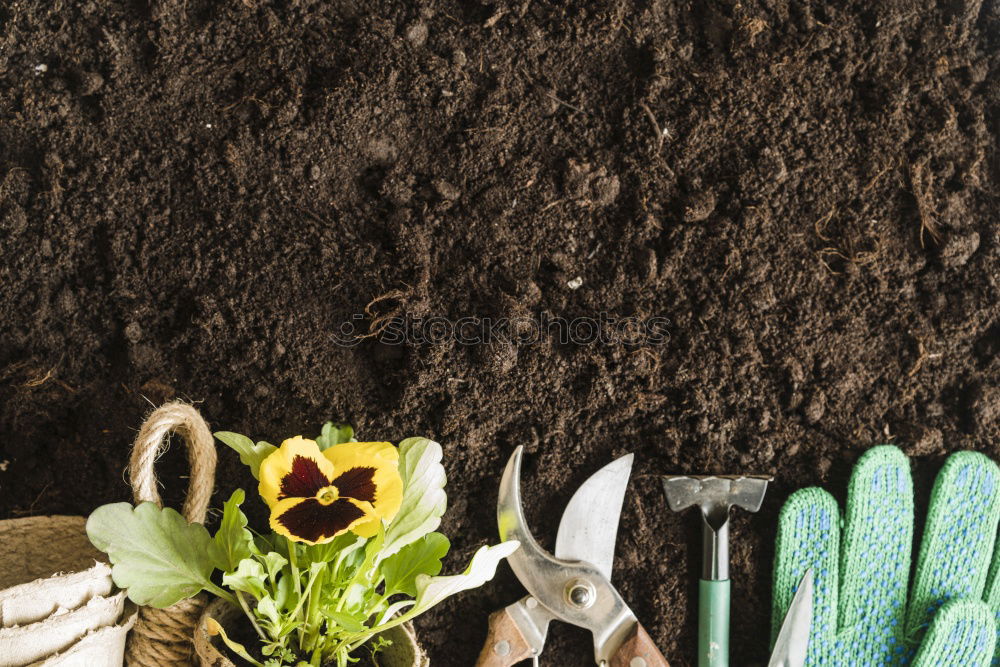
357,483
313,521
305,480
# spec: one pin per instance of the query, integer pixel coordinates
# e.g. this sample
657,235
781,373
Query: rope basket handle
187,422
162,637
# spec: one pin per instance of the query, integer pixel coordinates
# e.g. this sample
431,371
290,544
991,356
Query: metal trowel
714,495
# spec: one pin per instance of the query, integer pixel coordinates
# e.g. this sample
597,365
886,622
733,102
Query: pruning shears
574,585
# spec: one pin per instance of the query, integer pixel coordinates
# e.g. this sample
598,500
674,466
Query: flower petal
368,527
388,485
297,469
308,520
357,483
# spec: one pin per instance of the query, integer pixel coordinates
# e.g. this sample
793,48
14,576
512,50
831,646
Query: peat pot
58,606
404,652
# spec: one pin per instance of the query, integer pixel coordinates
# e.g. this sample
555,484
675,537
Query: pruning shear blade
793,639
573,591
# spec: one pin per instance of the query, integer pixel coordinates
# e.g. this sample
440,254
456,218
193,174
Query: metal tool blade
552,581
793,638
589,526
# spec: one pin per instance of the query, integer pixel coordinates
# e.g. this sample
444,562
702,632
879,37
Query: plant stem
313,622
221,593
293,562
298,587
253,621
311,626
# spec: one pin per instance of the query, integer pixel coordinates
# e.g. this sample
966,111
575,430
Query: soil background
196,195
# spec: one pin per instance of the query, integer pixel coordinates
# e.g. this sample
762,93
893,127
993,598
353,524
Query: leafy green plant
353,548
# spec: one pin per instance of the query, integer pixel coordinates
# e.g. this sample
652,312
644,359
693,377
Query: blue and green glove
861,564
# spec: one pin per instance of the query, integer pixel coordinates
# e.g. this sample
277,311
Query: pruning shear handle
506,645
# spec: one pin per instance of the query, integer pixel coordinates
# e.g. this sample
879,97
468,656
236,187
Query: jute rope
162,637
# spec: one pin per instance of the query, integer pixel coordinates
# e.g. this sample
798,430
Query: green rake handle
713,623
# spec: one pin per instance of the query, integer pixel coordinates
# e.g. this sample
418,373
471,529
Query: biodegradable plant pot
56,606
404,652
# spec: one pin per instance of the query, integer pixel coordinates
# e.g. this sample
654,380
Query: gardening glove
861,564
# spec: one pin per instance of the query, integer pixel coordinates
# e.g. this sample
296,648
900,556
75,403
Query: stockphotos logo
604,329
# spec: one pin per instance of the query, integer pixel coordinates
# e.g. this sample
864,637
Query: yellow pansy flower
316,495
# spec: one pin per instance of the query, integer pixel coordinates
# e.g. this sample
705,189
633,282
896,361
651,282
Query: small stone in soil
446,190
133,332
699,206
90,83
824,465
921,440
416,34
816,407
958,248
985,408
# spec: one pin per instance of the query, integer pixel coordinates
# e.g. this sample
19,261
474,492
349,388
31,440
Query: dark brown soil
196,194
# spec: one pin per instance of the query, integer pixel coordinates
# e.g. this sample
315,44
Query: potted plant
352,553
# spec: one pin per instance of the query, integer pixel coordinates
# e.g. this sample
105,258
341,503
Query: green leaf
373,551
268,610
273,562
334,434
284,593
249,577
345,621
355,596
332,550
422,557
250,454
424,499
482,568
270,543
157,555
232,541
432,590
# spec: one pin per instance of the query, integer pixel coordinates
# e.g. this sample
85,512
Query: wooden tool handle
505,645
639,651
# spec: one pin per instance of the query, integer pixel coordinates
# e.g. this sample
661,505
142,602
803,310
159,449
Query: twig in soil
920,189
39,381
870,257
656,127
831,252
381,322
820,225
922,355
492,21
877,177
552,204
263,106
567,104
31,507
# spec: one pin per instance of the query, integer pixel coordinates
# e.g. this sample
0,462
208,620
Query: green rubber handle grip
713,623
